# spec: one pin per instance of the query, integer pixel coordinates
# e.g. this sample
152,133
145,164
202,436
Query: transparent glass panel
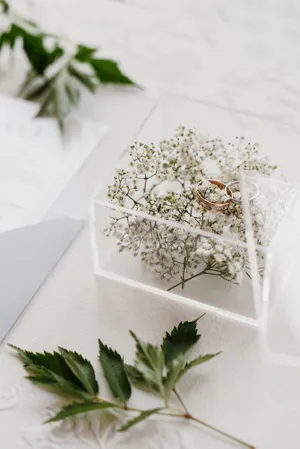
281,307
173,259
151,229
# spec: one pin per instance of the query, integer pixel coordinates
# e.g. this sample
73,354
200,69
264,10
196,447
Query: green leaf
197,361
149,362
107,71
30,77
84,54
41,380
82,369
83,78
133,374
141,417
138,379
62,104
5,6
115,373
73,94
39,57
36,92
173,375
10,36
42,112
180,340
52,370
77,408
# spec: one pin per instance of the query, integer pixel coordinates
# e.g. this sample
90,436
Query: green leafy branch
56,75
156,369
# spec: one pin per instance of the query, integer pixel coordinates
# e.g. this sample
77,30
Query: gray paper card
27,257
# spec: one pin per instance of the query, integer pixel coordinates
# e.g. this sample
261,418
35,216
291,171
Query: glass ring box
192,211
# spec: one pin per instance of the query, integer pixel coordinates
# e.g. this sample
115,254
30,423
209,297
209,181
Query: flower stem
183,273
180,400
220,432
189,279
187,415
145,184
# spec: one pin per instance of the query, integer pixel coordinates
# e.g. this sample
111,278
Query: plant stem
180,400
133,409
173,415
145,184
190,278
183,273
187,415
226,435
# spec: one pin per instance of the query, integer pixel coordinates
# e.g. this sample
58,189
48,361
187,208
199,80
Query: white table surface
236,392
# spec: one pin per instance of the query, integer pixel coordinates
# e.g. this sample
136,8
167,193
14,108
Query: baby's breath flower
161,181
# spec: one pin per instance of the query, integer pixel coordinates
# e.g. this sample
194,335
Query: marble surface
240,56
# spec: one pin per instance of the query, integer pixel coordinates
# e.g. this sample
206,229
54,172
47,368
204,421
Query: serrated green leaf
83,78
134,375
115,373
54,362
39,57
141,417
197,361
149,362
10,37
37,91
138,379
30,78
77,408
48,378
41,380
3,40
84,53
82,369
61,101
45,104
173,375
107,71
182,338
58,115
73,94
51,369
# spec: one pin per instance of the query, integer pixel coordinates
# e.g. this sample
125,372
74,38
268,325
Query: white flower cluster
161,181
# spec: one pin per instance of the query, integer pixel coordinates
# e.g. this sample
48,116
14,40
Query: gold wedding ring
211,205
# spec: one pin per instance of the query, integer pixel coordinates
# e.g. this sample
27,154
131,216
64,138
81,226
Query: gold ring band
209,204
